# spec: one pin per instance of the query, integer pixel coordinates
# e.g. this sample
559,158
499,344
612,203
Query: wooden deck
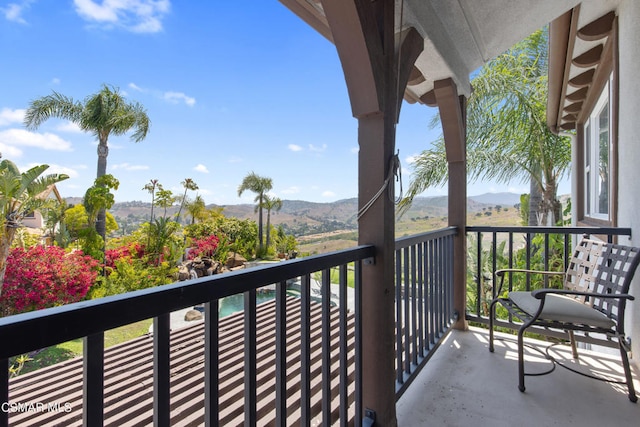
129,376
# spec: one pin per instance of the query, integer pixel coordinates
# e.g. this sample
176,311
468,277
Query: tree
196,208
260,186
271,203
151,187
507,135
164,199
188,184
19,196
103,114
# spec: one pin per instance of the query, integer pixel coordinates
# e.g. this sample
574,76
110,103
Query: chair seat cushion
562,309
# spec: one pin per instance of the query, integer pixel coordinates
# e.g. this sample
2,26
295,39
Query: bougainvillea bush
205,247
41,277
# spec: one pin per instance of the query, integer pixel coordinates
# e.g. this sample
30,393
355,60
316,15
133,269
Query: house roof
459,35
128,375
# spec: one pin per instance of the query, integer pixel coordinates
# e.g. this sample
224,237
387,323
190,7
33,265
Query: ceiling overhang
459,35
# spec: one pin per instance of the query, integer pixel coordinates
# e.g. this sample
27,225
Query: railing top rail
39,329
404,242
615,231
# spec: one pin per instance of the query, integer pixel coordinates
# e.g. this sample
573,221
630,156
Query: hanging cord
394,170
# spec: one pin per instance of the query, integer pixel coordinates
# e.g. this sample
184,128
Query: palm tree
151,187
103,114
188,184
271,203
19,196
196,208
260,186
507,135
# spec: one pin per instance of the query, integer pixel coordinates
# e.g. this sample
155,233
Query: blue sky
230,87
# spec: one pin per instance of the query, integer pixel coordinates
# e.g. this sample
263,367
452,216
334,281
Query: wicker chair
593,300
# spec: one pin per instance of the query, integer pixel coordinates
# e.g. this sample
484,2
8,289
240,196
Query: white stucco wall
629,146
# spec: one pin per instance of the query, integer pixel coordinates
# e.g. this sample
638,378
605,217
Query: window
597,169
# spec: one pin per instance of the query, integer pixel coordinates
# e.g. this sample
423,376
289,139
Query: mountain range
301,218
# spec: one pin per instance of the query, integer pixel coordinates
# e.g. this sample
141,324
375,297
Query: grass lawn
70,349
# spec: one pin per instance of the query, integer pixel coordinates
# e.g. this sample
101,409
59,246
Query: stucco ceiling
459,35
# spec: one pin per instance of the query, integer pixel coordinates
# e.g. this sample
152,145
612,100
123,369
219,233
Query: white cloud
55,81
54,169
135,87
411,159
235,159
328,194
13,11
9,151
201,168
69,127
129,167
175,97
318,149
291,190
138,16
24,138
355,150
9,116
294,147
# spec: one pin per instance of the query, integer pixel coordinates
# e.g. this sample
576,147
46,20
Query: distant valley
302,218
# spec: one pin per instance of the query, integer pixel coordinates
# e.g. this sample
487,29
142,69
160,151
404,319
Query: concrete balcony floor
464,384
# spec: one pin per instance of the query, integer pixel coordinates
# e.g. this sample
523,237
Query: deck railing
424,299
537,248
31,331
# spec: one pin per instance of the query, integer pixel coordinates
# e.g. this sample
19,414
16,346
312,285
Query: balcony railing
31,331
327,363
424,300
537,248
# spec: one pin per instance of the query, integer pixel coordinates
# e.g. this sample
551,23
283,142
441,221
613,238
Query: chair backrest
604,268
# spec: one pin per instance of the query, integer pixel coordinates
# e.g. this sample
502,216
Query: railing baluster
211,363
305,351
93,380
161,370
4,391
479,273
414,307
432,293
546,259
250,359
420,281
344,397
326,347
358,342
398,289
407,311
281,353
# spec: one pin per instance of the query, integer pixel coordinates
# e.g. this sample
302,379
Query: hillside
302,218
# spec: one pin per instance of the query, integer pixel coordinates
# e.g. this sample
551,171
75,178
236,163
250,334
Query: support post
452,108
377,64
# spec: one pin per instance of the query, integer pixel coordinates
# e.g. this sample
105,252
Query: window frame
591,159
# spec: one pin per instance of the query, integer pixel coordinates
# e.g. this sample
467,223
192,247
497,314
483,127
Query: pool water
235,303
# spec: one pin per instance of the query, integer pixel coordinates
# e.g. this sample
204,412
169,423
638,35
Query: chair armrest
502,272
541,294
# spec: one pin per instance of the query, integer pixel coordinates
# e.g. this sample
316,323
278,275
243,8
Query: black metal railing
31,331
424,299
533,248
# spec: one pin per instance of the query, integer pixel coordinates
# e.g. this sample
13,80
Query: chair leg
521,359
492,314
574,347
627,371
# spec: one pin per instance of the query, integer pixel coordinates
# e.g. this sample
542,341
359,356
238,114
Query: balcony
299,360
